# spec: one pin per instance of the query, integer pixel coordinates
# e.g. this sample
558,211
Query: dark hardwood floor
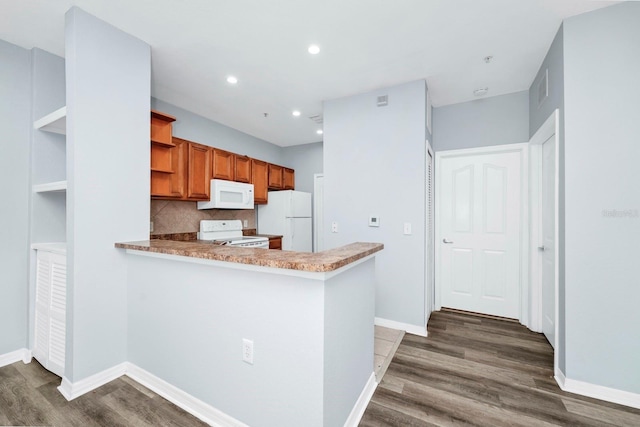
29,397
474,370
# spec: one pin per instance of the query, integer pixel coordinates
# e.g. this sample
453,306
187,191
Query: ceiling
365,45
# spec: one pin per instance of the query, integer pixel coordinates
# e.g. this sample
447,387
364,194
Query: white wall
313,339
374,163
15,122
306,159
602,93
496,120
108,101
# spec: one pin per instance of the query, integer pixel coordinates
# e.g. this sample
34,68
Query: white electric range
229,233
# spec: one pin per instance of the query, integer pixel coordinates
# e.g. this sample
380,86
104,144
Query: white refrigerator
287,213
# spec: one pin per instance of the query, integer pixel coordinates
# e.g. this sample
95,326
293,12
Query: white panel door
548,246
480,223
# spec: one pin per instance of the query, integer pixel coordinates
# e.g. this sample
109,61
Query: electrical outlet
407,228
151,226
334,227
245,223
247,351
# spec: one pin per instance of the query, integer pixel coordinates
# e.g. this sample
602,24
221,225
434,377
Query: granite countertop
325,261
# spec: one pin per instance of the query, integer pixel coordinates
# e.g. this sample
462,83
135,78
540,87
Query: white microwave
229,195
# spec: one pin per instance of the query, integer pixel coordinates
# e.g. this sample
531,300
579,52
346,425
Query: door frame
429,291
318,210
523,150
549,128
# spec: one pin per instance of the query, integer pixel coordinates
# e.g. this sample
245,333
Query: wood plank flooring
481,371
29,397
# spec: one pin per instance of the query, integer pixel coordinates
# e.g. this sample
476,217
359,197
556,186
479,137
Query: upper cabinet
275,177
259,179
223,165
242,169
198,171
288,179
182,169
281,178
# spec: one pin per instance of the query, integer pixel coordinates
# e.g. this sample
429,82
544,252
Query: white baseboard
582,388
182,399
72,390
408,328
15,356
361,404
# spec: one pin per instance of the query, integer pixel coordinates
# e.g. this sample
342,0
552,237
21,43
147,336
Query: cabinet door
275,243
49,346
259,178
223,165
275,177
243,168
199,172
288,179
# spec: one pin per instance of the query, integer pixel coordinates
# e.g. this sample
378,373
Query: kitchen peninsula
308,317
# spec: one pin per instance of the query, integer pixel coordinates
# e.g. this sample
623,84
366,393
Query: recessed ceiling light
319,132
232,80
314,49
296,113
481,91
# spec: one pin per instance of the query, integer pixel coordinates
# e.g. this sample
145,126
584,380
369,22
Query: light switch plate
374,221
407,228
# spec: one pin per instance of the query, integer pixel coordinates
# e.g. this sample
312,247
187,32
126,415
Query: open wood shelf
50,187
55,122
163,143
162,170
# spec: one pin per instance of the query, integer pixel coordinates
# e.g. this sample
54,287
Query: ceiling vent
383,101
317,118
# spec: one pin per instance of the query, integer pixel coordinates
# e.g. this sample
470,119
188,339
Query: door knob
541,248
446,241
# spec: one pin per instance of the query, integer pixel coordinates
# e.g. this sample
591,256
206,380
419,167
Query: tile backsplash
171,216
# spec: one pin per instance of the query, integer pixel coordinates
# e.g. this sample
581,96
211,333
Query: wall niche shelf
50,187
55,122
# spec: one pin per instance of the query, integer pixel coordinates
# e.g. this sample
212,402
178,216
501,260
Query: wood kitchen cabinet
275,177
223,165
259,179
191,179
288,179
275,243
198,171
242,168
164,156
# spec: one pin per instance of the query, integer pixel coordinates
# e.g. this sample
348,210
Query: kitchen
97,215
91,189
226,186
